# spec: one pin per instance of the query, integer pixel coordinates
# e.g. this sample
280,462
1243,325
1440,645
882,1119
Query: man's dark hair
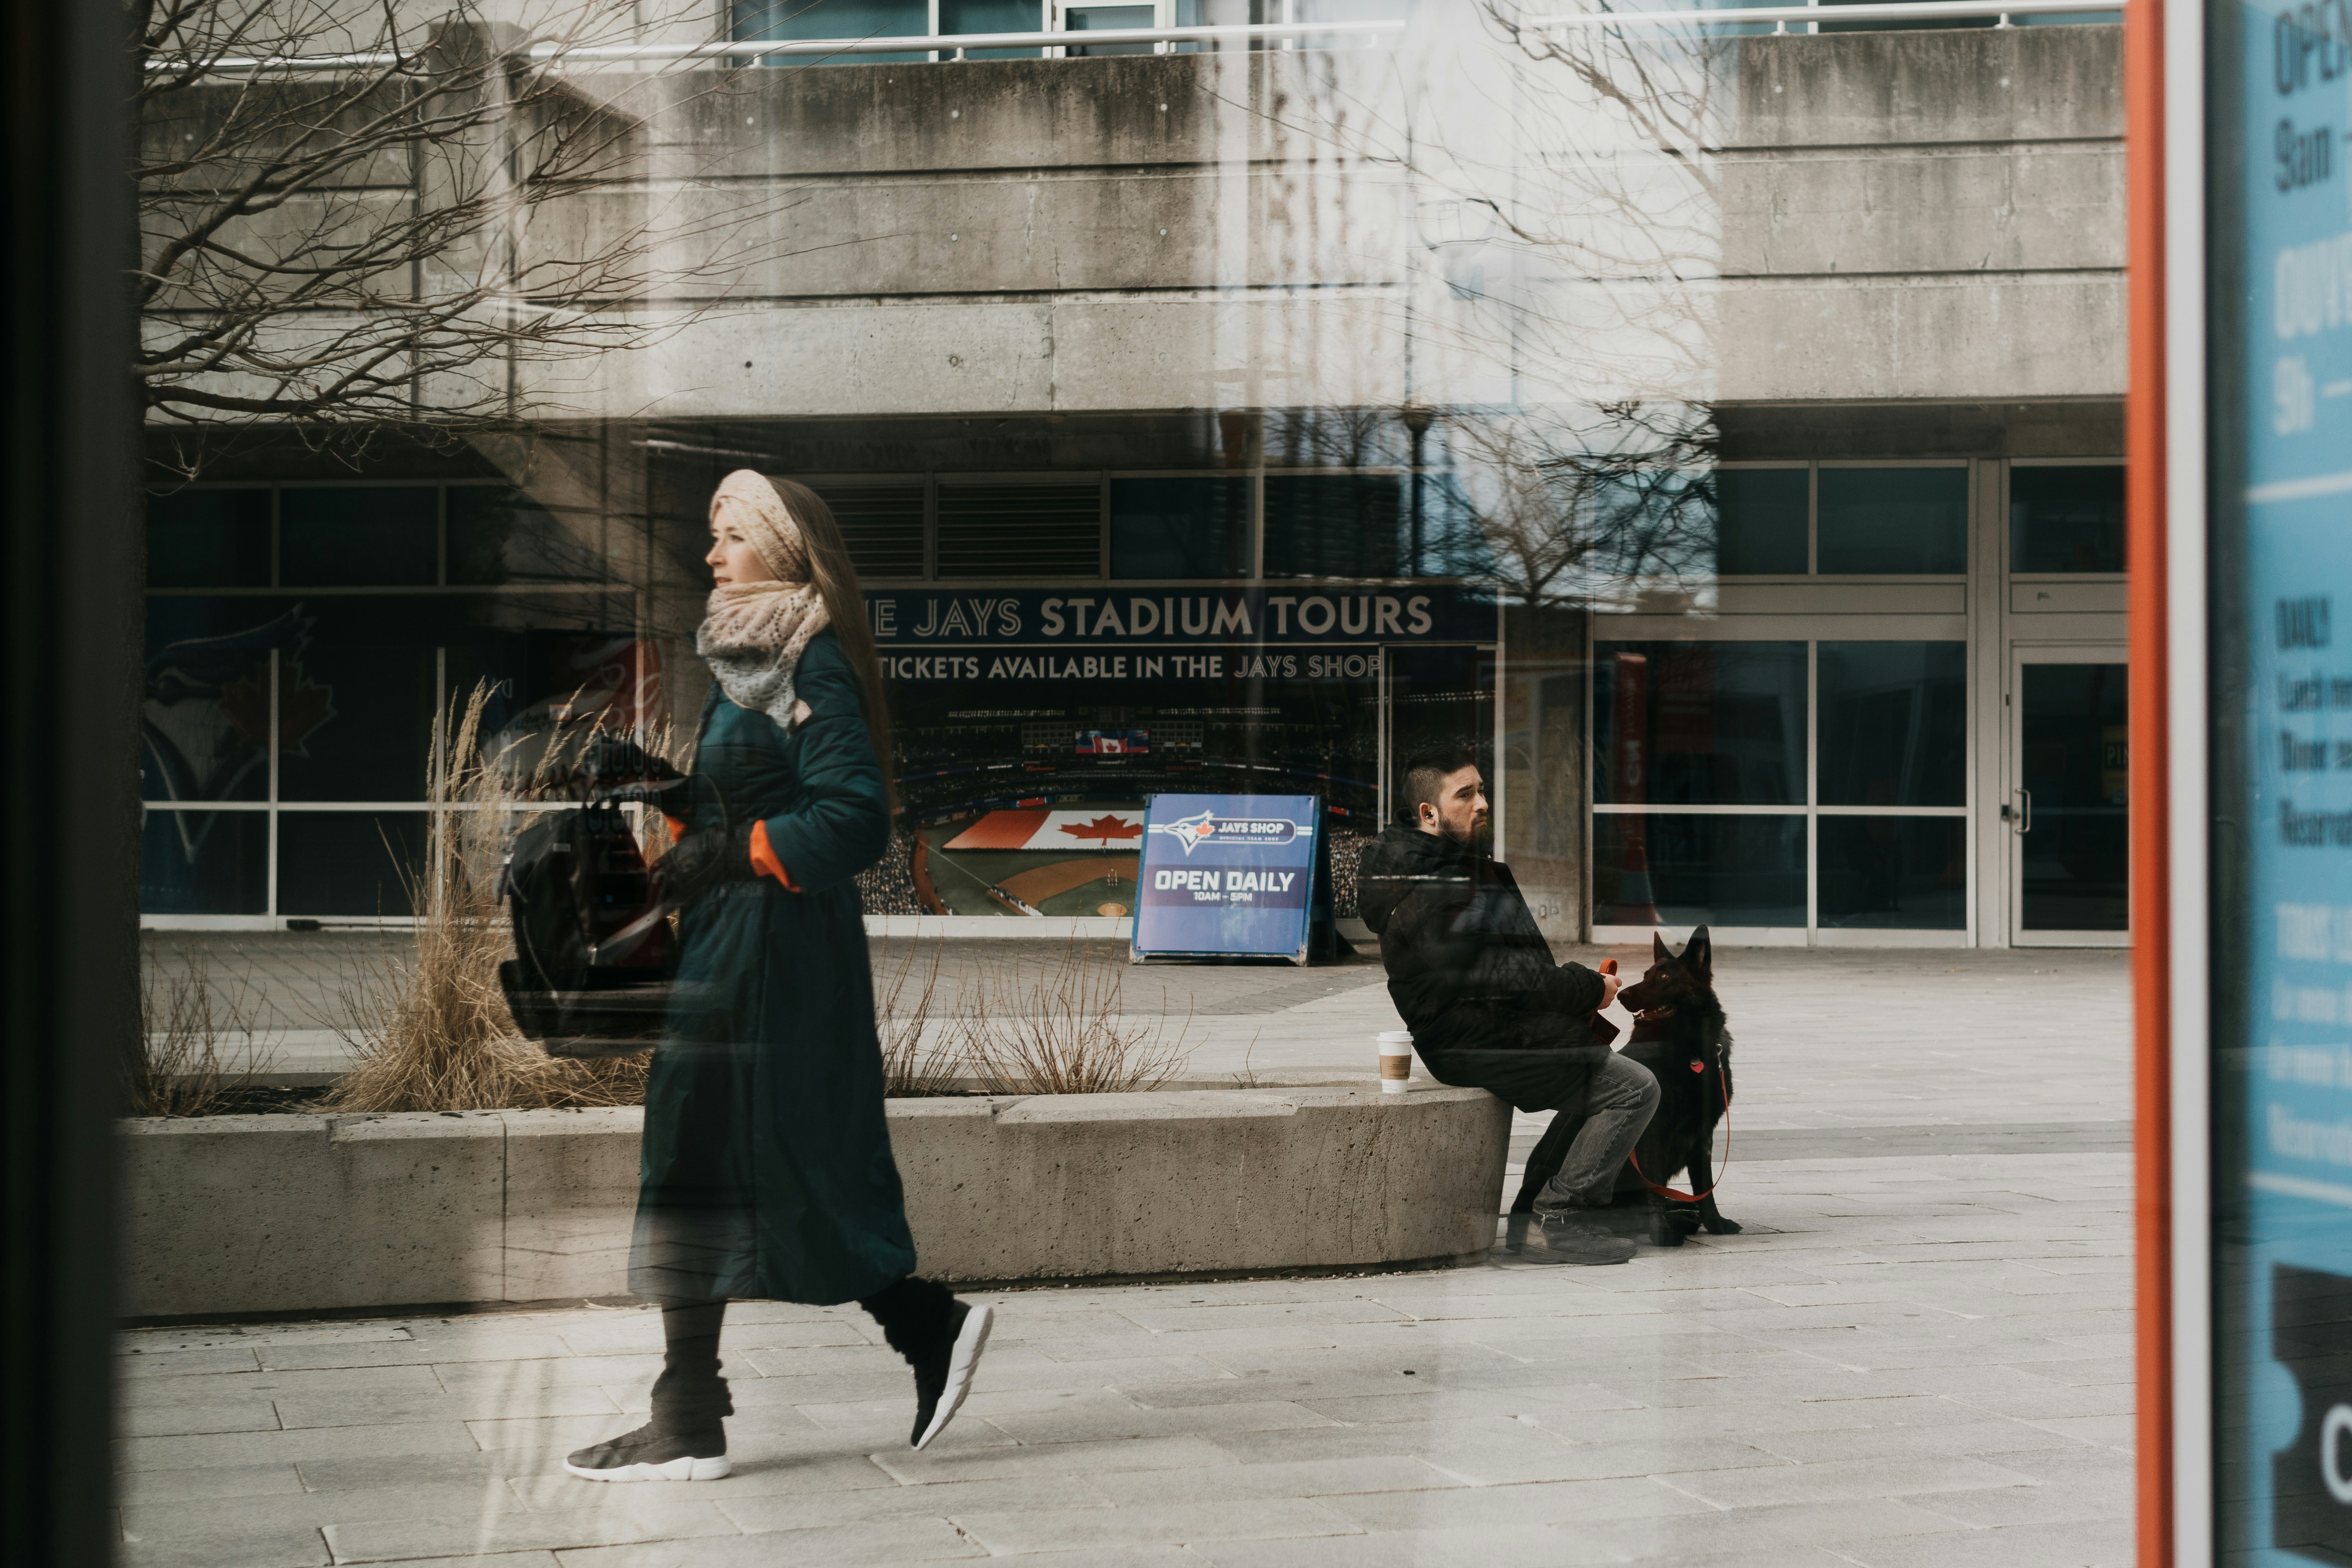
1426,771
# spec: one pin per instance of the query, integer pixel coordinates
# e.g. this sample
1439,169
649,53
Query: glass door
2067,810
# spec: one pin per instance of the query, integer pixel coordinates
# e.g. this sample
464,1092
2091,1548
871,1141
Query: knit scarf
752,640
753,634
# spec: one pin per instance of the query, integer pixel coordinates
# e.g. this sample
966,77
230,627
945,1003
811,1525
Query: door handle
2025,811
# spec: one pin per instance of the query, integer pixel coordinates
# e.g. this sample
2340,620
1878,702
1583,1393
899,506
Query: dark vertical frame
71,941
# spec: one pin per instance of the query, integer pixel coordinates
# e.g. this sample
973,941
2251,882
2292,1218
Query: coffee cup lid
1396,1037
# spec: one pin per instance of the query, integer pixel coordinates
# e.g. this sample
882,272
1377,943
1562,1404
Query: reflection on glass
1700,723
359,535
499,536
1895,724
348,862
1895,520
2066,519
208,539
204,862
1893,873
204,715
1760,520
1680,869
1179,528
2076,873
882,524
1335,525
1037,529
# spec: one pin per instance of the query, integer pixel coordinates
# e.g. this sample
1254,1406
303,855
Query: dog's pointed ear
1659,952
1698,955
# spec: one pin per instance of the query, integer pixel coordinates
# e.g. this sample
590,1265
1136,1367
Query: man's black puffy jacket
1473,976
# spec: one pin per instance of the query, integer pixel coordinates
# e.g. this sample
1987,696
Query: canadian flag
1095,827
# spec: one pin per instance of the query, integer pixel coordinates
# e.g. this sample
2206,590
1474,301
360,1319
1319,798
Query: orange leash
1719,1170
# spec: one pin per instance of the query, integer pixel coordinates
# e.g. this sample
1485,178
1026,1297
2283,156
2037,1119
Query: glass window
204,862
498,536
1179,528
1097,18
2066,519
1335,525
1895,520
1717,723
1679,869
1895,724
1903,872
1761,515
1045,529
996,16
348,862
882,524
208,539
785,19
2075,864
359,535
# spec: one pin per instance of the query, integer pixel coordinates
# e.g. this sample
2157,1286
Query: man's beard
1478,837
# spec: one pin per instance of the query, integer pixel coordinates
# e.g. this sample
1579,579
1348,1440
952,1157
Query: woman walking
767,1169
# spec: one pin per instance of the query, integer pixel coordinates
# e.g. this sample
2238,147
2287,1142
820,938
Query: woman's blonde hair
835,577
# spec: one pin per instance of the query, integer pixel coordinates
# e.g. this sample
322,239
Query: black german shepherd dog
1679,1035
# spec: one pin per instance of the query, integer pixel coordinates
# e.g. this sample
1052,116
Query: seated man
1473,979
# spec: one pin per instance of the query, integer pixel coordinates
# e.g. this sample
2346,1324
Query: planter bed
229,1215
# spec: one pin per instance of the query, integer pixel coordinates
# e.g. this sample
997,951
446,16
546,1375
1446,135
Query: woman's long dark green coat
767,1168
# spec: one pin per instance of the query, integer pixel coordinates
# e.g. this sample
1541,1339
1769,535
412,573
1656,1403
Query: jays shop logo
1207,826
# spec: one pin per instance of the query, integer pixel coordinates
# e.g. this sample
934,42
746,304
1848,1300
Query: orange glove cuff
677,828
764,861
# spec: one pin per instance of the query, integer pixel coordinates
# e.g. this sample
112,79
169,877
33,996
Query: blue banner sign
1226,874
1306,631
2281,315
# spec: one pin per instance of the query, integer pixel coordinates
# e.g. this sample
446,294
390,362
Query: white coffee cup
1396,1060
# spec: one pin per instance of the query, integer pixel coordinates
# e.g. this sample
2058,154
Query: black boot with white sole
943,1377
686,1438
650,1454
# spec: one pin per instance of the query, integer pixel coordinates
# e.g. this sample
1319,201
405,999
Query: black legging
914,1312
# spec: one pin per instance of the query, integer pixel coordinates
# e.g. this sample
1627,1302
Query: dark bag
595,954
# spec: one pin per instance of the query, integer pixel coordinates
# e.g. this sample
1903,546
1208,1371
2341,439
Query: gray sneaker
1573,1238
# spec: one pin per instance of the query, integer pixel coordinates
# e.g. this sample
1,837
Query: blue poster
2281,314
1226,874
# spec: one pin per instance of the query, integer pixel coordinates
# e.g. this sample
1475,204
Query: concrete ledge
229,1215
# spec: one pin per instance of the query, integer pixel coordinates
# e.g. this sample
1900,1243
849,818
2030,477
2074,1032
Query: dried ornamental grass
915,1067
431,1032
202,1051
1060,1030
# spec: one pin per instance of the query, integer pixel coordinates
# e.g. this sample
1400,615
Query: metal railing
1161,40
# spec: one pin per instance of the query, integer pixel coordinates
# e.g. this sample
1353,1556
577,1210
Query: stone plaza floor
1918,1353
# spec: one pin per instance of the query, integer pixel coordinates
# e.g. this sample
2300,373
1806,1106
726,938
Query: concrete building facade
1723,431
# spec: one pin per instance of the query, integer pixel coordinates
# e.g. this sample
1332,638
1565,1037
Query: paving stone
1093,1423
1477,1547
949,1500
1845,1479
393,1540
395,1496
201,1452
281,1547
1052,1530
1543,1502
191,1413
2084,1544
1713,1533
838,1546
2071,1503
1052,1459
1910,1442
134,1489
136,1364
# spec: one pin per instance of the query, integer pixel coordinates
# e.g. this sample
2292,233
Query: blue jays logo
1205,827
